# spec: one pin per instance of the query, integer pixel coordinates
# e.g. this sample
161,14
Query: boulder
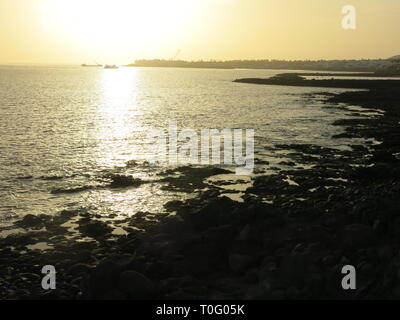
95,229
105,277
173,225
135,285
356,236
78,269
120,181
31,221
215,212
239,262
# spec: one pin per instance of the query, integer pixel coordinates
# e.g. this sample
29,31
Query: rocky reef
288,239
297,80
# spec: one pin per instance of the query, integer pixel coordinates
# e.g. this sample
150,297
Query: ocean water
64,127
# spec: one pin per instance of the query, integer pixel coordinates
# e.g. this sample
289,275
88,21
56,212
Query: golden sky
120,31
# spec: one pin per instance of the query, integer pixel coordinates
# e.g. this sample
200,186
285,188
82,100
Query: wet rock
288,163
121,181
158,269
214,213
172,284
255,292
277,295
294,267
31,221
190,178
114,294
72,189
105,277
84,256
251,276
272,185
239,263
174,225
383,156
84,246
378,172
30,277
95,229
173,205
314,284
159,245
385,252
291,293
356,236
136,285
78,269
201,258
51,295
20,239
180,295
221,296
67,214
259,161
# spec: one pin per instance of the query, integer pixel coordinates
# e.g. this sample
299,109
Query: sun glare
117,24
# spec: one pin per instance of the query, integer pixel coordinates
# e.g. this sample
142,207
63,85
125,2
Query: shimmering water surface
68,127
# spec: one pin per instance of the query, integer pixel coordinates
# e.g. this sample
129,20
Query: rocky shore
298,80
288,239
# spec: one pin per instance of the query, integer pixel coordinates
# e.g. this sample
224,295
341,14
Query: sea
64,130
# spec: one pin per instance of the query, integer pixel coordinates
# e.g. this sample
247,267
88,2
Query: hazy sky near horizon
120,31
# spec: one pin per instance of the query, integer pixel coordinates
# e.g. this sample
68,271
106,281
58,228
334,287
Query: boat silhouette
97,65
107,66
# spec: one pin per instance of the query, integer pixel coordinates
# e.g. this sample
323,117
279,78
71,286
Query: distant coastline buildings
363,65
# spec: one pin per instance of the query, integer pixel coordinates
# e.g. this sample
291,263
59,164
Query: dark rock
120,181
214,213
287,163
78,269
383,156
173,205
201,258
174,225
72,190
136,285
255,292
239,263
356,236
84,256
180,295
20,239
173,284
95,229
31,221
114,294
105,277
220,237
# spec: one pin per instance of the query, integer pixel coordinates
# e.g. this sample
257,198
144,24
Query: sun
111,25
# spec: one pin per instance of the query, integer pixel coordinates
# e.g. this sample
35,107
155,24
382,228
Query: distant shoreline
248,68
297,80
361,65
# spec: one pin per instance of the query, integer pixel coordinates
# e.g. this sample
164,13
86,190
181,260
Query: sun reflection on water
117,114
119,88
